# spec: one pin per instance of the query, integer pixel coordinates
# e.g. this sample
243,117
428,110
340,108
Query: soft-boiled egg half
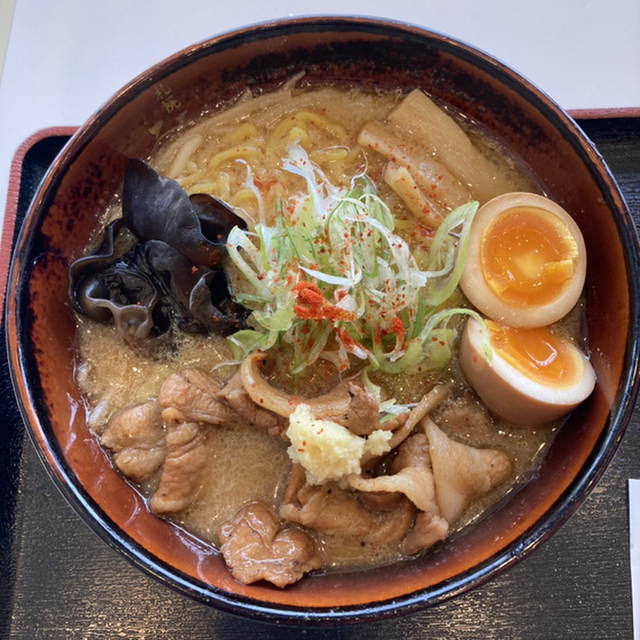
532,377
526,262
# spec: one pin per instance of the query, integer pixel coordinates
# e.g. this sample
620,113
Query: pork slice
410,474
236,396
256,547
136,436
461,472
414,482
336,511
427,530
185,468
413,452
381,500
194,393
362,417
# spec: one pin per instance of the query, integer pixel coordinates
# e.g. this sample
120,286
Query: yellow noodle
243,133
296,134
243,197
219,188
303,118
191,179
330,154
184,154
233,154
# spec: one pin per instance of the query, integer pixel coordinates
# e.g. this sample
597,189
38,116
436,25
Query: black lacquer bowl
87,174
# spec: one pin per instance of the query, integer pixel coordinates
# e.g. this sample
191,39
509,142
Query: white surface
6,13
65,58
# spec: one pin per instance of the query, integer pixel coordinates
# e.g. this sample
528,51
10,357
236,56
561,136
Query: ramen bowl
87,176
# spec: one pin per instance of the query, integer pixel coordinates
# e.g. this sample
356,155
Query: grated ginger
327,450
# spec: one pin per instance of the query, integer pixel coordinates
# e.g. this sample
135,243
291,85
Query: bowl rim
34,415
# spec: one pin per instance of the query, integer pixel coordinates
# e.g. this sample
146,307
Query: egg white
512,396
481,295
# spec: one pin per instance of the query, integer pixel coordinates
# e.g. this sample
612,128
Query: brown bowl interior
89,173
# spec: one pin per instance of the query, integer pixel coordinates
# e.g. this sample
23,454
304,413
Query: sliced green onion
341,241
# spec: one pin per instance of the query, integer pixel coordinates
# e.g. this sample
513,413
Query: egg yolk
528,256
537,353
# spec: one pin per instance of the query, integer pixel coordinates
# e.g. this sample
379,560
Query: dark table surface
59,580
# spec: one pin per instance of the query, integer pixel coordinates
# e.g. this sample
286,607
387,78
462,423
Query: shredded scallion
334,268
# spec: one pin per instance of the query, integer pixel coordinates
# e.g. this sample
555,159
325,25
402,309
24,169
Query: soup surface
334,422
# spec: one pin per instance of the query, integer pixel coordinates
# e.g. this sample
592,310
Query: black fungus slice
111,284
125,295
216,219
203,294
158,265
115,242
157,208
